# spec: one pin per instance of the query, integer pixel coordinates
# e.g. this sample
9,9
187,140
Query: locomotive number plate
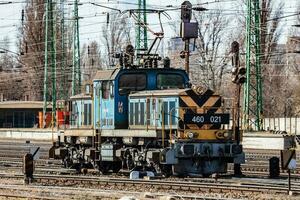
206,118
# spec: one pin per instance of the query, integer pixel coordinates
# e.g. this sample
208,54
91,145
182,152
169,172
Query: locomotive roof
166,92
109,74
173,92
81,96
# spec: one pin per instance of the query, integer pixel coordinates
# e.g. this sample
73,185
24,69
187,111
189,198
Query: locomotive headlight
191,135
226,134
222,135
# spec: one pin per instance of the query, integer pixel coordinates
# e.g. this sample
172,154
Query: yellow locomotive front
192,126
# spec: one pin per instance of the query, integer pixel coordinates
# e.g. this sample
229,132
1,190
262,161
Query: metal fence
289,124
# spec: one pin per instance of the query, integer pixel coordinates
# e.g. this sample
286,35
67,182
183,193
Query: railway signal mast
188,30
238,79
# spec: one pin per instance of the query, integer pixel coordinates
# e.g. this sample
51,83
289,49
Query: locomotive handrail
179,119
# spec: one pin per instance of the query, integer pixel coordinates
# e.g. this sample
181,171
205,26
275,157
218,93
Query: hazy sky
94,17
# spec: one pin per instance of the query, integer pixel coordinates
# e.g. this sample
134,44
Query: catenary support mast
50,44
76,71
141,43
253,109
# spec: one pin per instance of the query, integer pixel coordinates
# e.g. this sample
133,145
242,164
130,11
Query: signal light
182,54
242,70
239,75
186,11
242,80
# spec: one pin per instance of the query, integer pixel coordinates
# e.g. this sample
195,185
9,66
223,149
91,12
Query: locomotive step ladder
97,144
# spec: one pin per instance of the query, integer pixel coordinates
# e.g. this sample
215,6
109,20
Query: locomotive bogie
202,158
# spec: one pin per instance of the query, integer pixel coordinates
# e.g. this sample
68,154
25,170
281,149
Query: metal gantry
63,89
76,71
141,43
50,44
253,109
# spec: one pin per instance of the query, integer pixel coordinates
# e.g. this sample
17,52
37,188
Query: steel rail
159,184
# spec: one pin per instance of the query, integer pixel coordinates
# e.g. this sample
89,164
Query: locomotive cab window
107,89
132,82
170,81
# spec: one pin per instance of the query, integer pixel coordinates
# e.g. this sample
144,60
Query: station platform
28,134
267,140
251,140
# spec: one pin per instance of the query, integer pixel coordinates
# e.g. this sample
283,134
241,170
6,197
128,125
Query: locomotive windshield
132,82
170,81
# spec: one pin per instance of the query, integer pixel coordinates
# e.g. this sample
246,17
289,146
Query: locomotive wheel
166,170
116,166
104,167
206,175
179,174
67,163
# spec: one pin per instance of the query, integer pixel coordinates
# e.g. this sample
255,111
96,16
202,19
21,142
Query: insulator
22,16
155,64
107,18
167,62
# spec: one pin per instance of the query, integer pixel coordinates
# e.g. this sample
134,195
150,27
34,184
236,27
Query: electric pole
141,43
46,63
76,71
63,92
253,109
238,79
50,44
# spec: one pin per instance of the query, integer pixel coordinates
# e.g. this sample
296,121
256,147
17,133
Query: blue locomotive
148,118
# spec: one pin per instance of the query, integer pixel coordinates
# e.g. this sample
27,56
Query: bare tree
91,59
32,47
10,73
115,35
293,60
211,62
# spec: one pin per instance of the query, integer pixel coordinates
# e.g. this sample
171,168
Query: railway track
11,158
193,187
58,193
49,174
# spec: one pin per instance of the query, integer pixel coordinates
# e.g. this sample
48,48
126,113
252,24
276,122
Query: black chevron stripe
200,99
